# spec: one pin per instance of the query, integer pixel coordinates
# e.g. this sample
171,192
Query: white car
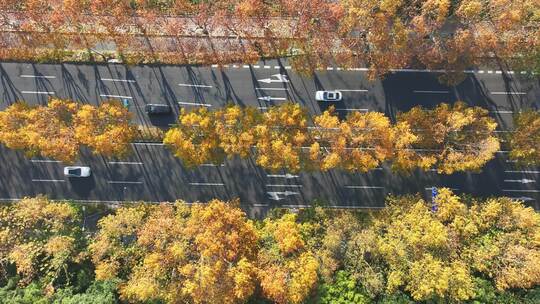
77,171
328,96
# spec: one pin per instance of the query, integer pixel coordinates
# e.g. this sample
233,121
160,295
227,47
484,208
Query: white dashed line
116,96
37,76
212,165
123,182
44,161
118,80
363,187
195,85
346,90
502,112
49,180
292,186
272,89
431,92
125,163
532,191
524,171
353,109
267,67
508,93
195,104
147,144
207,184
37,92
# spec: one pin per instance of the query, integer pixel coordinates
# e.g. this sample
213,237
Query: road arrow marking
523,198
280,78
269,98
523,181
275,195
288,175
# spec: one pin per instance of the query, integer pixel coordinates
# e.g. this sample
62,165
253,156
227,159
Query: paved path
152,173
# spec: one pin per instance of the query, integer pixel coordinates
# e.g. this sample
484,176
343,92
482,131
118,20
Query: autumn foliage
525,140
448,138
468,250
60,128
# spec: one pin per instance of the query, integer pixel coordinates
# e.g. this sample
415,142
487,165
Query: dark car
158,109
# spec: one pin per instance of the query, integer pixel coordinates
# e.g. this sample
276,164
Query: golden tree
287,269
106,129
451,138
176,253
280,138
525,140
360,143
41,239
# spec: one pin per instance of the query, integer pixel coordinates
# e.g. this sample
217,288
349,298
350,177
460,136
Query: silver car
328,96
77,171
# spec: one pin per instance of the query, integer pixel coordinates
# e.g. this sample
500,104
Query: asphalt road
153,174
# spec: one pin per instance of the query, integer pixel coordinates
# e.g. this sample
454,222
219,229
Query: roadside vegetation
379,34
59,129
467,251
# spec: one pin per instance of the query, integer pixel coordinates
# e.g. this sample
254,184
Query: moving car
153,108
328,96
77,171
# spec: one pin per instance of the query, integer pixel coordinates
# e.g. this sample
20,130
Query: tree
199,254
525,140
287,270
42,240
343,290
106,129
451,138
280,138
360,143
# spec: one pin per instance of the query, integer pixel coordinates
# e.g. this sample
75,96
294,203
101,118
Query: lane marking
116,96
352,109
288,175
124,163
532,191
148,144
215,65
49,180
508,93
44,161
207,184
356,90
260,205
212,165
245,66
118,80
267,67
364,187
195,85
335,207
523,171
37,92
431,92
270,98
272,89
37,76
502,112
256,66
123,182
292,186
195,104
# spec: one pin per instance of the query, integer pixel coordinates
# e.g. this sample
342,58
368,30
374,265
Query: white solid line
363,187
292,186
347,90
533,191
272,89
195,85
148,144
116,96
118,80
207,184
508,93
352,109
195,104
123,182
37,92
44,161
431,92
37,76
49,180
524,171
124,163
